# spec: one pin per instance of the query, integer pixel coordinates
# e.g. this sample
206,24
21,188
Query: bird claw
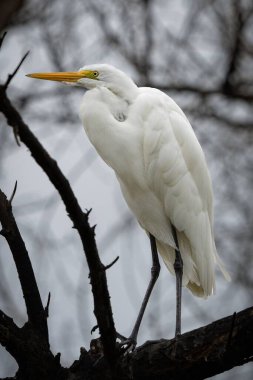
126,345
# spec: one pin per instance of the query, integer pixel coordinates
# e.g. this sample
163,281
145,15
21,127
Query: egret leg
178,266
155,270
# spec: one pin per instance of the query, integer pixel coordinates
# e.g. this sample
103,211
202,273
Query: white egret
143,135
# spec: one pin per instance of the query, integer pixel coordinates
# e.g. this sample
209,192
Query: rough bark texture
198,354
32,353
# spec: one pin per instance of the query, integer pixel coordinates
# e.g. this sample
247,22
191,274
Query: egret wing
177,173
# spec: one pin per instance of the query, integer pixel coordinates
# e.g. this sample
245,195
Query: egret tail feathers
198,269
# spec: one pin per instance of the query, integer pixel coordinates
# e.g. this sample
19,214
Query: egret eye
95,74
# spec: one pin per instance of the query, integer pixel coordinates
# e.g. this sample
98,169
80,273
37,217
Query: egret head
93,76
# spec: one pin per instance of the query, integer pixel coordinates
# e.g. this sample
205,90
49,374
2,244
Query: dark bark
35,311
198,354
8,9
32,353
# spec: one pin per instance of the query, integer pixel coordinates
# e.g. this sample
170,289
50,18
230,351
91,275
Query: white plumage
149,143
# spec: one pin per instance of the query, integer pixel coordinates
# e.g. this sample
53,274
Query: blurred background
200,52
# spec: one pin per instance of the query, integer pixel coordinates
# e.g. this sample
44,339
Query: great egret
143,135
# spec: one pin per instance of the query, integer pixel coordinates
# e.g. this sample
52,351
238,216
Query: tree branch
197,355
102,305
11,76
2,38
236,46
229,93
9,332
32,353
34,306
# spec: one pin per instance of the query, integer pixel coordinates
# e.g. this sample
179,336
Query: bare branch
6,325
10,231
236,47
47,305
198,354
11,76
248,97
14,192
32,353
112,263
2,38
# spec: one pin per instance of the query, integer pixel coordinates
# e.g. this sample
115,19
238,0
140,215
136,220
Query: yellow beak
71,76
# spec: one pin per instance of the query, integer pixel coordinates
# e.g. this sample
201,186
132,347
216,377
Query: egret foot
127,344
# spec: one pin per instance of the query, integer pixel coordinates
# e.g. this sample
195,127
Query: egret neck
106,121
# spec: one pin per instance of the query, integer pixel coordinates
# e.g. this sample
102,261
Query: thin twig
13,193
15,133
11,76
88,211
94,328
2,38
111,264
47,305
